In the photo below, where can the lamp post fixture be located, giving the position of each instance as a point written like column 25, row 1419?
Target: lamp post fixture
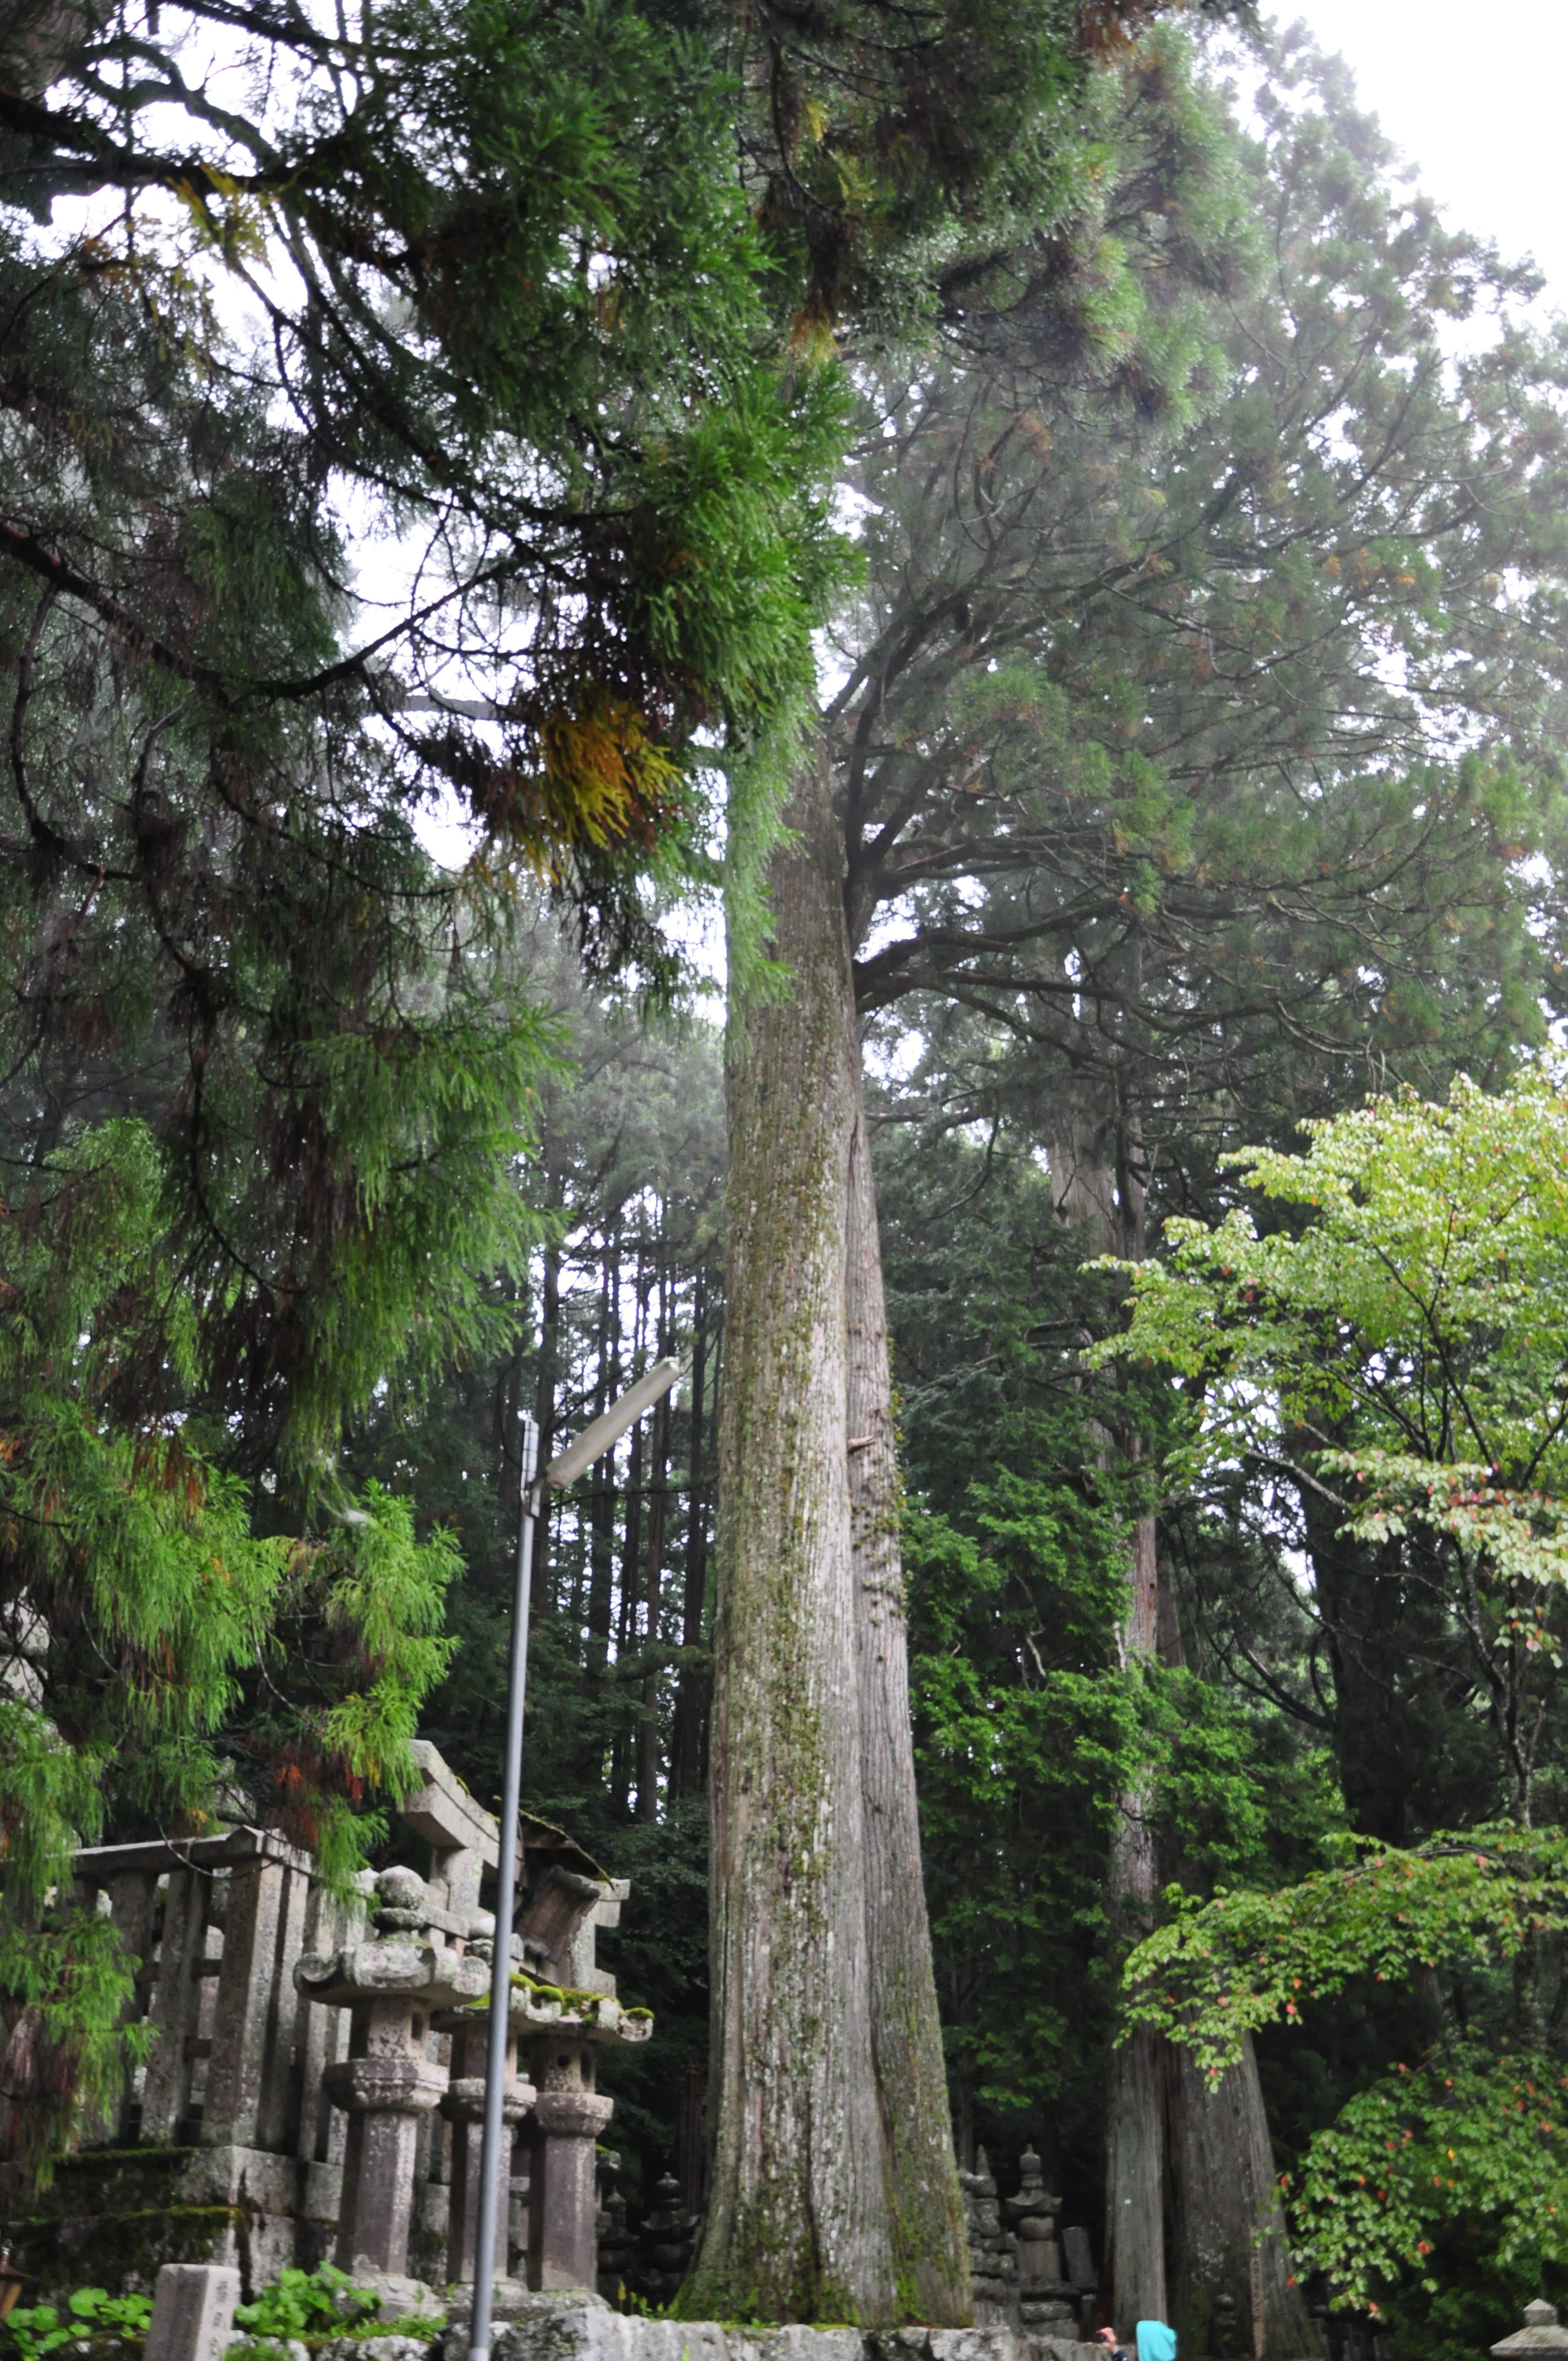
column 591, row 1444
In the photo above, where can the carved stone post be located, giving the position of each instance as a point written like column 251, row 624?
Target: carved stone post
column 568, row 2116
column 465, row 2106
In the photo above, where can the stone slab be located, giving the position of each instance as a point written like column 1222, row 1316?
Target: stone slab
column 323, row 2192
column 1080, row 2261
column 444, row 1813
column 580, row 2326
column 231, row 2175
column 192, row 2313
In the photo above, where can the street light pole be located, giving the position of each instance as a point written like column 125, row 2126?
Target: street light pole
column 591, row 1444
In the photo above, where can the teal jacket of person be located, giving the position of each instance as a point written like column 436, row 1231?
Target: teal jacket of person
column 1156, row 2341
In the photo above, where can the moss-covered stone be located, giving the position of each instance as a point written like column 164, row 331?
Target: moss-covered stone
column 123, row 2251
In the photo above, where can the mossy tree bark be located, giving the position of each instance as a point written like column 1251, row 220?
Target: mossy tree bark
column 798, row 2223
column 1228, row 2231
column 930, row 2251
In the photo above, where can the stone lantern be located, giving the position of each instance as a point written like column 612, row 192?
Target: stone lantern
column 1541, row 2339
column 569, row 2014
column 389, row 1984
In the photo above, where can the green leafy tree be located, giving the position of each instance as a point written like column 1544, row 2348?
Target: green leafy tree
column 1403, row 1347
column 1395, row 1344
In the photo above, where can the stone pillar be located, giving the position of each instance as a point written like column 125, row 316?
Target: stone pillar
column 388, row 2083
column 166, row 2095
column 132, row 1897
column 568, row 2116
column 384, row 2086
column 282, row 2088
column 193, row 2312
column 465, row 2106
column 236, row 2071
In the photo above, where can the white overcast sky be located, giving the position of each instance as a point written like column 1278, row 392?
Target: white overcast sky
column 1475, row 92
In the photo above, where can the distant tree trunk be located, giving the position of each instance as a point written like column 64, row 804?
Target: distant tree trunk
column 658, row 1496
column 1226, row 2223
column 545, row 1406
column 621, row 1746
column 930, row 2248
column 1098, row 1194
column 685, row 1744
column 797, row 2217
column 1165, row 2130
column 601, row 1514
column 1135, row 2158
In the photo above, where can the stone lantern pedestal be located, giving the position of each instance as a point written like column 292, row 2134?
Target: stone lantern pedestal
column 568, row 2116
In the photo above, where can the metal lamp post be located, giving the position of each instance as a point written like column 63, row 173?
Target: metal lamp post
column 591, row 1444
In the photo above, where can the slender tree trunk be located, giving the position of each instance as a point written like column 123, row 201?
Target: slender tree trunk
column 601, row 1516
column 658, row 1496
column 1097, row 1194
column 1227, row 2223
column 685, row 1744
column 1166, row 2132
column 930, row 2248
column 544, row 1407
column 797, row 2219
column 1135, row 2157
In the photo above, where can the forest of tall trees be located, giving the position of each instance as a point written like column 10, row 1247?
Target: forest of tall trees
column 983, row 593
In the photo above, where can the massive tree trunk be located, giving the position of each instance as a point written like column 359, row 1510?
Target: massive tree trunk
column 797, row 2218
column 930, row 2253
column 1228, row 2225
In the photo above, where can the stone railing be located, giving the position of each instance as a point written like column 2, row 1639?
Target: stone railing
column 313, row 2078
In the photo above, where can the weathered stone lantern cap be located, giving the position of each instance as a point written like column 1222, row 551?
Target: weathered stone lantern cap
column 392, row 1968
column 586, row 2016
column 1540, row 2333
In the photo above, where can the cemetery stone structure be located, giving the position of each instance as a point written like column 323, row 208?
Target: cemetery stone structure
column 314, row 2080
column 1022, row 2278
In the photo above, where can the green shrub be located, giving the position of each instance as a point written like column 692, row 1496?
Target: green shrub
column 36, row 2329
column 304, row 2303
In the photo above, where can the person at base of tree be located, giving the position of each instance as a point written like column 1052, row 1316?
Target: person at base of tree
column 1156, row 2341
column 1115, row 2348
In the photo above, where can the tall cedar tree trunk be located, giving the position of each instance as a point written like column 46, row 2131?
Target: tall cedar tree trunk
column 1135, row 2157
column 797, row 2219
column 601, row 1523
column 1088, row 1159
column 930, row 2251
column 1229, row 2234
column 1163, row 2124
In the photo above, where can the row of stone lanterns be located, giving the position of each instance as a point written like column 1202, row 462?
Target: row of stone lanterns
column 419, row 1972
